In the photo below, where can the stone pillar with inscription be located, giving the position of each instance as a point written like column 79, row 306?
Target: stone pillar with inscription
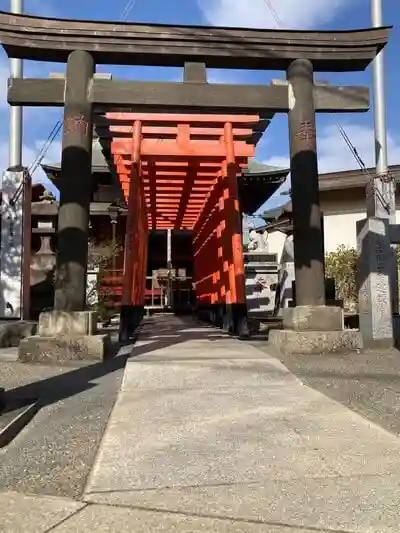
column 75, row 185
column 307, row 230
column 69, row 332
column 374, row 287
column 310, row 326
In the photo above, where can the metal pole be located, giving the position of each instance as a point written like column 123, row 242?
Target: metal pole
column 16, row 71
column 381, row 156
column 168, row 296
column 114, row 244
column 169, row 248
column 385, row 197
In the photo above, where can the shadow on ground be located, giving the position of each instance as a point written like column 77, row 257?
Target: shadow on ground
column 156, row 332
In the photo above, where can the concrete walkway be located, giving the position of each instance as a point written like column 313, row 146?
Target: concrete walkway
column 210, row 434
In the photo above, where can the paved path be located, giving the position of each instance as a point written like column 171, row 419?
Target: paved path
column 211, row 434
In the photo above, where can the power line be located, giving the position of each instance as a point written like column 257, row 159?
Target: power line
column 341, row 129
column 57, row 128
column 52, row 135
column 274, row 12
column 127, row 10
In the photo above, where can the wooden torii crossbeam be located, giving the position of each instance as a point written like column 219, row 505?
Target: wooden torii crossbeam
column 182, row 174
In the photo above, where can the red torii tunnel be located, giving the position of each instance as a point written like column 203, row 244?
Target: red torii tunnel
column 182, row 173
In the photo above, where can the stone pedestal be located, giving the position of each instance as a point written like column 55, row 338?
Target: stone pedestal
column 315, row 342
column 63, row 323
column 313, row 318
column 65, row 337
column 261, row 271
column 373, row 272
column 314, row 330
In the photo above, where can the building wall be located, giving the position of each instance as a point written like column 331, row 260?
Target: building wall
column 342, row 209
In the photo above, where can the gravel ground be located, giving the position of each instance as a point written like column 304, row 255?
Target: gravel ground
column 368, row 383
column 54, row 454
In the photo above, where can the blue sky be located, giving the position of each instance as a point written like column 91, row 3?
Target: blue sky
column 273, row 149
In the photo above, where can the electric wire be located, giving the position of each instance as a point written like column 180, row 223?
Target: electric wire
column 28, row 173
column 340, row 127
column 57, row 128
column 274, row 12
column 127, row 10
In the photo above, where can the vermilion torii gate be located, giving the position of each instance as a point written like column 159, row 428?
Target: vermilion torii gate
column 84, row 44
column 182, row 174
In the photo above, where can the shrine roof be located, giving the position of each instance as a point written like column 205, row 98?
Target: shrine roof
column 255, row 168
column 50, row 39
column 349, row 179
column 258, row 183
column 99, row 163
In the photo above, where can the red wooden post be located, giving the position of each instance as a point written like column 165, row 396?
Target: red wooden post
column 235, row 224
column 128, row 318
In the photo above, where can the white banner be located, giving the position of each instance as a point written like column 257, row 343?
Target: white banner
column 12, row 266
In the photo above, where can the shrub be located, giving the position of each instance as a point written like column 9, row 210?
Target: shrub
column 341, row 265
column 100, row 296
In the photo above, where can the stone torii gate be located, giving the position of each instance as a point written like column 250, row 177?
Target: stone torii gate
column 82, row 45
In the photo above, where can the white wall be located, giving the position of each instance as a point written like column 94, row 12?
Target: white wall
column 276, row 240
column 340, row 218
column 339, row 229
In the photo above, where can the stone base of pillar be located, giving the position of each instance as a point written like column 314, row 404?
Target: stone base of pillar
column 130, row 318
column 312, row 330
column 313, row 318
column 315, row 342
column 65, row 337
column 50, row 350
column 53, row 323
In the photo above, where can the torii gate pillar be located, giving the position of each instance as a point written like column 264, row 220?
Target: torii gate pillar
column 307, row 238
column 75, row 185
column 310, row 320
column 68, row 332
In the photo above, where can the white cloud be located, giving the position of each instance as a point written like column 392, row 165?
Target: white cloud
column 334, row 155
column 296, row 14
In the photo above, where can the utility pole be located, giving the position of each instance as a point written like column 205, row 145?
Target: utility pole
column 384, row 204
column 16, row 71
column 384, row 187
